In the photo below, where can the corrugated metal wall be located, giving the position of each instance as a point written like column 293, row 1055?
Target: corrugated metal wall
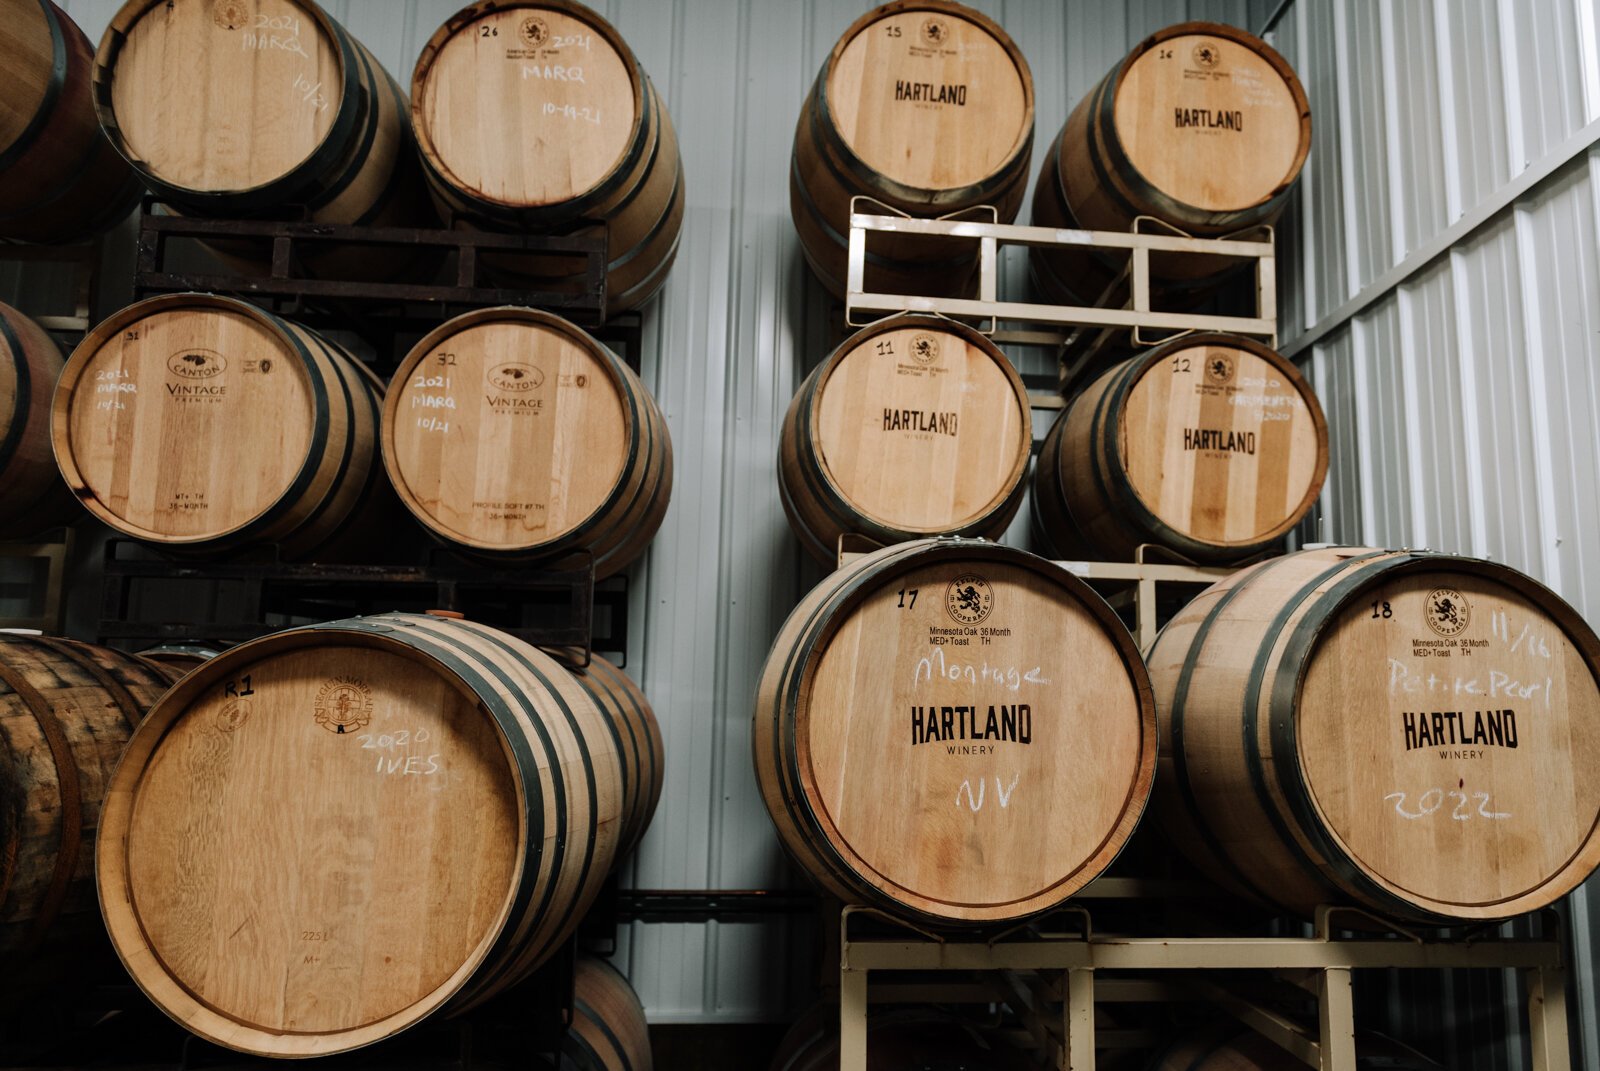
column 1443, row 300
column 1442, row 288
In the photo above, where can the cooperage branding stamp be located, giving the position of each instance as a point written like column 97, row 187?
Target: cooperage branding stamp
column 344, row 705
column 969, row 599
column 924, row 349
column 1448, row 611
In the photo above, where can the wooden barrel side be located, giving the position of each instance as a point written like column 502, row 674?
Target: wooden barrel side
column 228, row 377
column 1325, row 792
column 637, row 736
column 342, row 152
column 891, row 98
column 356, row 720
column 608, row 1031
column 992, row 623
column 66, row 710
column 31, row 492
column 1124, row 154
column 597, row 472
column 914, row 426
column 561, row 155
column 641, row 227
column 60, row 178
column 1213, row 446
column 1170, row 133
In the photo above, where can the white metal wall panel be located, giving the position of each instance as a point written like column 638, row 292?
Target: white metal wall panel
column 1462, row 401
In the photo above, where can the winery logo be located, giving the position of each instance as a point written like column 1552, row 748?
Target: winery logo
column 535, row 31
column 968, row 599
column 925, row 349
column 233, row 714
column 1448, row 611
column 1207, row 55
column 343, row 705
column 230, row 15
column 935, row 31
column 515, row 378
column 197, row 364
column 1219, row 369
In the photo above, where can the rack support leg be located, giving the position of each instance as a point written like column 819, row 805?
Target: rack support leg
column 1336, row 1018
column 1547, row 1018
column 852, row 1020
column 1078, row 1052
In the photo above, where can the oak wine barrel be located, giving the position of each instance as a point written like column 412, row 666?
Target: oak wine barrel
column 927, row 107
column 32, row 496
column 608, row 1031
column 203, row 423
column 898, row 1039
column 535, row 116
column 954, row 731
column 593, row 471
column 1213, row 446
column 915, row 426
column 66, row 710
column 260, row 108
column 1202, row 126
column 181, row 657
column 1230, row 1048
column 1410, row 732
column 637, row 736
column 422, row 806
column 60, row 178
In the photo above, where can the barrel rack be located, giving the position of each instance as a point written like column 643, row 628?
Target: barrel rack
column 1080, row 334
column 1046, row 971
column 1050, row 979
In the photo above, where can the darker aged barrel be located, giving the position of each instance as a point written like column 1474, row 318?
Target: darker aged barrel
column 954, row 731
column 925, row 106
column 66, row 710
column 1202, row 126
column 608, row 1031
column 203, row 423
column 1213, row 446
column 60, row 178
column 915, row 426
column 1413, row 733
column 268, row 109
column 637, row 736
column 564, row 134
column 32, row 496
column 426, row 804
column 594, row 458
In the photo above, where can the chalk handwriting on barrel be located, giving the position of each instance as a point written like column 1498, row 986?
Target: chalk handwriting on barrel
column 934, row 667
column 975, row 802
column 1433, row 799
column 1500, row 625
column 1500, row 684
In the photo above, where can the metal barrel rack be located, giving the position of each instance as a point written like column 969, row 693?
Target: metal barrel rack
column 1052, row 972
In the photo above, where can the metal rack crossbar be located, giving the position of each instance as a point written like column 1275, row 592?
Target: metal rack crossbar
column 990, row 236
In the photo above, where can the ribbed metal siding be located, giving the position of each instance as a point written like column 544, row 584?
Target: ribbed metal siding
column 1462, row 402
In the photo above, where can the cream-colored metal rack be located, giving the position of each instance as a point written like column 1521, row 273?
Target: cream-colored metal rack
column 1079, row 333
column 1054, row 977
